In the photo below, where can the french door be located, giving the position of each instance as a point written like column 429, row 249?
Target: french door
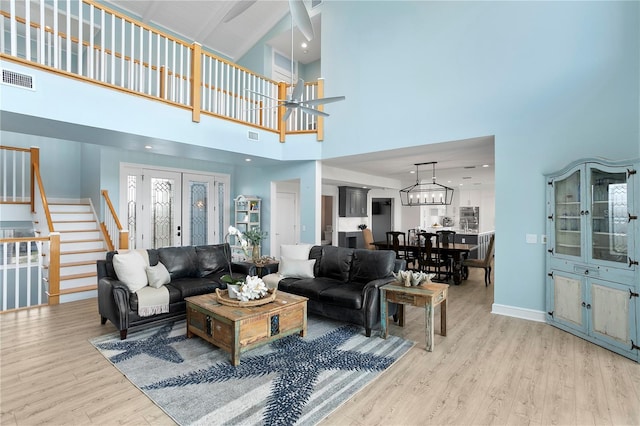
column 167, row 208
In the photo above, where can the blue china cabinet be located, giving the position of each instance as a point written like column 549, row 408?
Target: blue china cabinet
column 593, row 277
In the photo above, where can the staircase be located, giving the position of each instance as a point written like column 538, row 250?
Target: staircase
column 81, row 244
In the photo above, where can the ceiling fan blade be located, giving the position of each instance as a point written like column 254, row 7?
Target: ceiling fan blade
column 301, row 18
column 286, row 115
column 313, row 111
column 297, row 91
column 323, row 100
column 237, row 9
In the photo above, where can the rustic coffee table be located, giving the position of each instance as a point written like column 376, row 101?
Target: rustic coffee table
column 237, row 329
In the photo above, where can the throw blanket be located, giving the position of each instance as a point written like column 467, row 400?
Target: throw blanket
column 152, row 301
column 272, row 280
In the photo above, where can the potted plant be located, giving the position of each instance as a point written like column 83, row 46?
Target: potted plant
column 254, row 237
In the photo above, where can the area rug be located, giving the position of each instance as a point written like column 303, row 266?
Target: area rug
column 293, row 380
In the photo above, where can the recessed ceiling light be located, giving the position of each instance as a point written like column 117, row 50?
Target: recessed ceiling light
column 148, row 147
column 485, row 165
column 304, row 45
column 412, row 171
column 460, row 184
column 247, row 159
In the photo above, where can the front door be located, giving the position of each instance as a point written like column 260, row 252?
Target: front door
column 166, row 208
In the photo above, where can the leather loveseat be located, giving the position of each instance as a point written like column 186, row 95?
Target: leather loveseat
column 346, row 283
column 193, row 270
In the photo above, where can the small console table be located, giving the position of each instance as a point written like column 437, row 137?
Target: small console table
column 428, row 295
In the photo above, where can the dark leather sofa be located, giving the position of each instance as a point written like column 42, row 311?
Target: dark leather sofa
column 194, row 270
column 346, row 283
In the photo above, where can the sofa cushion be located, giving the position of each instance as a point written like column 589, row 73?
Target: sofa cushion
column 295, row 268
column 158, row 275
column 130, row 269
column 316, row 253
column 369, row 265
column 212, row 259
column 193, row 286
column 307, row 287
column 295, row 251
column 335, row 263
column 347, row 295
column 180, row 261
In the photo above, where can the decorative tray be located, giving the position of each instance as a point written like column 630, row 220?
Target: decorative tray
column 224, row 299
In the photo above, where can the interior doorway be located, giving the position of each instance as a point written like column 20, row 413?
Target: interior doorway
column 326, row 220
column 380, row 218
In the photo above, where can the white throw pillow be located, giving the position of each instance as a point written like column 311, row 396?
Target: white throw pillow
column 130, row 268
column 158, row 275
column 296, row 268
column 295, row 251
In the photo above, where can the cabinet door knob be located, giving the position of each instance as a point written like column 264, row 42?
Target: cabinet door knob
column 584, row 304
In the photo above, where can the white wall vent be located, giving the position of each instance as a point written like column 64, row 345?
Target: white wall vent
column 17, row 79
column 253, row 136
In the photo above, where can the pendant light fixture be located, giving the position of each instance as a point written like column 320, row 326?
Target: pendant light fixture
column 426, row 194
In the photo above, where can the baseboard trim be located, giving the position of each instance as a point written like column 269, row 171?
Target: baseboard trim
column 513, row 311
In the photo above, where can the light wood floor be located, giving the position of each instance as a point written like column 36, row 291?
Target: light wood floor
column 489, row 369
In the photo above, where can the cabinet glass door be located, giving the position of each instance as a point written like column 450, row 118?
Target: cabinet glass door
column 609, row 220
column 568, row 226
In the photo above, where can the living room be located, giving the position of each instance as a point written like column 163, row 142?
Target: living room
column 553, row 82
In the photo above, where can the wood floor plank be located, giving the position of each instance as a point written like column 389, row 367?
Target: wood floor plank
column 489, row 369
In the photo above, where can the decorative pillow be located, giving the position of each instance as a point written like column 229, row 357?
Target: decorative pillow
column 158, row 275
column 296, row 268
column 295, row 251
column 130, row 269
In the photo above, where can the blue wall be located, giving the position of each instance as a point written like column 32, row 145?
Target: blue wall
column 553, row 81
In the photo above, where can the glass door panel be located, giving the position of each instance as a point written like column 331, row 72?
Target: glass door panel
column 609, row 218
column 568, row 224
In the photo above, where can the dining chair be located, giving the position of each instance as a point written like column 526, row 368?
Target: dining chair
column 483, row 263
column 429, row 255
column 397, row 241
column 447, row 237
column 367, row 236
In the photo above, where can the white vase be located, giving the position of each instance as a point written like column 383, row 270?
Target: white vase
column 234, row 289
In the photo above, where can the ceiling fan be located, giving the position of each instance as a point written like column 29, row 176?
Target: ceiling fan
column 300, row 17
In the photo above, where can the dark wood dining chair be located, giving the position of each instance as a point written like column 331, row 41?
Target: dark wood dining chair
column 483, row 263
column 447, row 237
column 429, row 255
column 397, row 241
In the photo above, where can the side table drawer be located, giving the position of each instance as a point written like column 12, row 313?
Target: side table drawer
column 406, row 299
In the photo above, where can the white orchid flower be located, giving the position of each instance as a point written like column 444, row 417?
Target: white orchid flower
column 253, row 288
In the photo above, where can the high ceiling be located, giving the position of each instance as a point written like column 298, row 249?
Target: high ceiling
column 459, row 162
column 202, row 21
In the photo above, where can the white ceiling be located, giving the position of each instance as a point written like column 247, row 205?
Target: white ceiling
column 201, row 21
column 458, row 162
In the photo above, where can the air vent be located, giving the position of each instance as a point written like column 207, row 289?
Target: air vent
column 466, row 177
column 469, row 167
column 16, row 79
column 315, row 3
column 253, row 136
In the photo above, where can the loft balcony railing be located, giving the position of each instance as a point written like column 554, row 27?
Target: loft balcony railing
column 91, row 42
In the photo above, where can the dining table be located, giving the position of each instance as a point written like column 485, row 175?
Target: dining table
column 456, row 251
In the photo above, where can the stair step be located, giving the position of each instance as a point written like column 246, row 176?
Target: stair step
column 66, row 246
column 77, row 276
column 67, row 207
column 85, row 225
column 80, row 235
column 82, row 256
column 82, row 251
column 79, row 263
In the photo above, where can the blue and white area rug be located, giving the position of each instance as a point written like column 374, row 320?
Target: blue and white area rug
column 293, row 380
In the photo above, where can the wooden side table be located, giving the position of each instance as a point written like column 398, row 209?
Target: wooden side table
column 428, row 295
